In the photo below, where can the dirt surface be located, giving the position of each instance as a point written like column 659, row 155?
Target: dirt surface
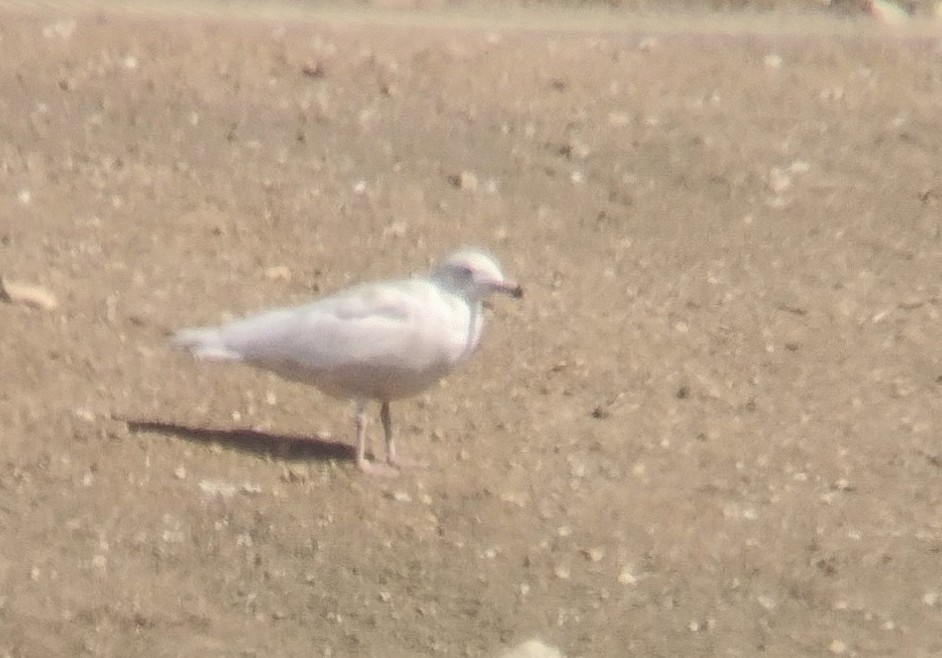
column 711, row 428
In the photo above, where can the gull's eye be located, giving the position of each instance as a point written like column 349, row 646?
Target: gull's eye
column 465, row 272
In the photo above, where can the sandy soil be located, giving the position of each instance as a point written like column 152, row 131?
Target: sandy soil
column 712, row 427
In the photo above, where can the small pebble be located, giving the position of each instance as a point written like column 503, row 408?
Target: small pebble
column 62, row 29
column 278, row 273
column 779, row 180
column 594, row 554
column 216, row 488
column 85, row 414
column 401, row 497
column 618, row 119
column 467, row 181
column 648, row 44
column 532, row 649
column 27, row 295
column 766, row 602
column 295, row 473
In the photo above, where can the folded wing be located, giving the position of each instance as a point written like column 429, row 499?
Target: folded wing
column 384, row 334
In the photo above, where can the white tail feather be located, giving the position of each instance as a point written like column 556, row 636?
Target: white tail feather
column 203, row 343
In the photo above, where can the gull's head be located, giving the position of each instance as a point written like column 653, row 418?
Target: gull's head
column 475, row 275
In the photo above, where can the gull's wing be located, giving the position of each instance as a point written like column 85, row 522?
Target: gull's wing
column 386, row 326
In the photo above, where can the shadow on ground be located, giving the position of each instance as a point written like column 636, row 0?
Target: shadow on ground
column 281, row 446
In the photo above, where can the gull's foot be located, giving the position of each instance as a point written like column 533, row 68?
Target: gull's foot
column 405, row 462
column 377, row 468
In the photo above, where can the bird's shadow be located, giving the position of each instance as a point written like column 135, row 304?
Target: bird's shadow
column 281, row 446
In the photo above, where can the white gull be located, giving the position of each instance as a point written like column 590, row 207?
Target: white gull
column 379, row 341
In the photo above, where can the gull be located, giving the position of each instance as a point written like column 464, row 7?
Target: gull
column 380, row 341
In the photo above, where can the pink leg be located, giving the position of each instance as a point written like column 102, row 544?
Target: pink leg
column 364, row 464
column 392, row 457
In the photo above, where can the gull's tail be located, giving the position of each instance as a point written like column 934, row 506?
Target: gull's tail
column 204, row 343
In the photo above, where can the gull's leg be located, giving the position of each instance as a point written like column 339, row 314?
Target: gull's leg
column 361, row 434
column 391, row 456
column 364, row 464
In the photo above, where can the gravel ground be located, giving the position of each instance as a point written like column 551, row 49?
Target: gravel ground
column 710, row 429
